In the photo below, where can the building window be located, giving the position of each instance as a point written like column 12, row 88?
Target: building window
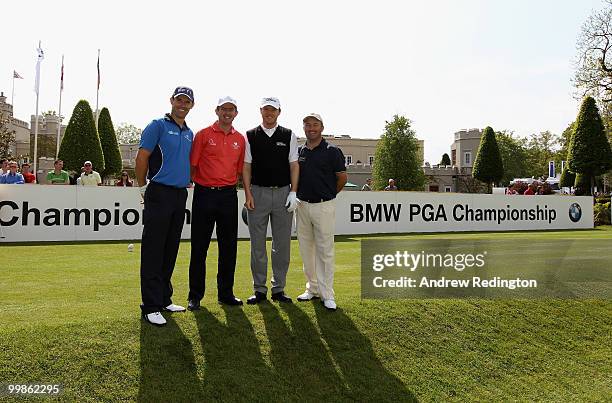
column 454, row 157
column 447, row 189
column 467, row 159
column 348, row 159
column 370, row 160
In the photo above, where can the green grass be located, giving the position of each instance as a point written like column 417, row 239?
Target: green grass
column 70, row 315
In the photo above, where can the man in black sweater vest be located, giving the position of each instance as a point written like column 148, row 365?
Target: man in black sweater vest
column 270, row 176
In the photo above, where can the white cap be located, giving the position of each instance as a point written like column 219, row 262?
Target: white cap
column 227, row 100
column 87, row 163
column 313, row 115
column 270, row 101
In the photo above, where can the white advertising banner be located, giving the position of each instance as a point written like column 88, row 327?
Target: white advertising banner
column 34, row 213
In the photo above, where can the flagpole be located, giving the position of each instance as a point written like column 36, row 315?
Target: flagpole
column 98, row 89
column 13, row 94
column 40, row 57
column 59, row 113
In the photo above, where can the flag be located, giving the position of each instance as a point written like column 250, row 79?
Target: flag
column 41, row 56
column 16, row 75
column 98, row 69
column 62, row 76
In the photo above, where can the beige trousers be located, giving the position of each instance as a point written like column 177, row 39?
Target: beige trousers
column 315, row 233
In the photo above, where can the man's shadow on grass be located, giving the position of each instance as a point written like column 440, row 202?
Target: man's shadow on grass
column 367, row 379
column 167, row 367
column 300, row 360
column 235, row 368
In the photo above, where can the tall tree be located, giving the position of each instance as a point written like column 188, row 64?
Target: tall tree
column 7, row 137
column 110, row 149
column 568, row 178
column 81, row 141
column 397, row 156
column 513, row 155
column 541, row 149
column 589, row 150
column 488, row 165
column 128, row 133
column 593, row 74
column 445, row 159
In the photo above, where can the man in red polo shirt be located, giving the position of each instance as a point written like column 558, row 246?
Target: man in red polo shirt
column 217, row 157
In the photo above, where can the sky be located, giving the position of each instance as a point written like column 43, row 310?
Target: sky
column 446, row 65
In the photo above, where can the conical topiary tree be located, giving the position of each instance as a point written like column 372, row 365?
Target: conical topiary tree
column 568, row 178
column 488, row 166
column 110, row 149
column 589, row 152
column 445, row 159
column 81, row 141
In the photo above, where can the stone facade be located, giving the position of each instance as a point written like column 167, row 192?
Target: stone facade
column 20, row 148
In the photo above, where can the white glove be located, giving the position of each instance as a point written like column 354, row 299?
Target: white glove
column 143, row 189
column 291, row 203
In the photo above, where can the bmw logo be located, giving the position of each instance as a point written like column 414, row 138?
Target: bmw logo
column 575, row 212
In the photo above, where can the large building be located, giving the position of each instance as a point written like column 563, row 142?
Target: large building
column 456, row 177
column 21, row 147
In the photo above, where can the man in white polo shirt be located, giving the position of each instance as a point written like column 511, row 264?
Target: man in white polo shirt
column 90, row 177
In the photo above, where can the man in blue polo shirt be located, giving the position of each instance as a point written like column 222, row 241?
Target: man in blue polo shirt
column 322, row 177
column 163, row 173
column 12, row 177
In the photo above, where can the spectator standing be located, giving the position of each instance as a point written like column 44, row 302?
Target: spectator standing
column 90, row 177
column 368, row 185
column 28, row 176
column 124, row 180
column 12, row 177
column 391, row 185
column 58, row 176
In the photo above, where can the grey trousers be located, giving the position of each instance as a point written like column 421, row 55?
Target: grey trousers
column 270, row 206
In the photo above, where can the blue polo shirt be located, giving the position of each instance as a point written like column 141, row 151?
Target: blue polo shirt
column 318, row 168
column 10, row 179
column 170, row 146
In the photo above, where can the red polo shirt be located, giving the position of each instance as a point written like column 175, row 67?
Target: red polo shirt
column 216, row 157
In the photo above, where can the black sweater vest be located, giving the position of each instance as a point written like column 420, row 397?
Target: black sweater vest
column 270, row 157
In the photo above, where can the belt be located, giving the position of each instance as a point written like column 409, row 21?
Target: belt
column 272, row 187
column 312, row 201
column 218, row 187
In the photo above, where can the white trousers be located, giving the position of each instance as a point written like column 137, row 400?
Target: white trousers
column 315, row 233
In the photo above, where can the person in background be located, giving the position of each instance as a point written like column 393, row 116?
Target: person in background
column 58, row 176
column 90, row 177
column 368, row 185
column 3, row 166
column 12, row 177
column 125, row 180
column 28, row 176
column 391, row 185
column 529, row 191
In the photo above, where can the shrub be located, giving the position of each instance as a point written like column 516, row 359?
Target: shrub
column 601, row 214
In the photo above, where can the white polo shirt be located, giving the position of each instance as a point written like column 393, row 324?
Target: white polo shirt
column 93, row 179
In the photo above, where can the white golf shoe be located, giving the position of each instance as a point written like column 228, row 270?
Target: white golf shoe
column 330, row 304
column 307, row 296
column 174, row 308
column 155, row 318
